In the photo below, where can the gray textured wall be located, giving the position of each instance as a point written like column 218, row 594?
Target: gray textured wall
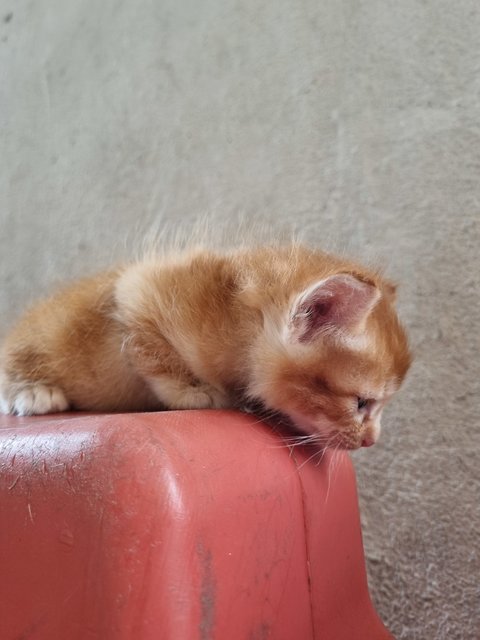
column 357, row 120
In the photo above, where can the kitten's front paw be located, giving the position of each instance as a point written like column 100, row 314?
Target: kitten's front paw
column 204, row 397
column 35, row 399
column 176, row 394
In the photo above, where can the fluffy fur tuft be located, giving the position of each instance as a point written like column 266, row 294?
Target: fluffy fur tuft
column 300, row 332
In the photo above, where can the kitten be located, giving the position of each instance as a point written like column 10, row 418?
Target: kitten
column 302, row 333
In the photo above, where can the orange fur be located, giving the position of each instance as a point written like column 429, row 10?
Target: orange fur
column 302, row 332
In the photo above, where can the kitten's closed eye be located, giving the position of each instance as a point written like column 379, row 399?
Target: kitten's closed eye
column 364, row 403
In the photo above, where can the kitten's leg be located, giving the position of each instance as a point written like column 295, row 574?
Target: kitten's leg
column 25, row 388
column 26, row 399
column 169, row 378
column 181, row 394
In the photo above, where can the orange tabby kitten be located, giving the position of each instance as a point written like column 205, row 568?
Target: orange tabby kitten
column 302, row 333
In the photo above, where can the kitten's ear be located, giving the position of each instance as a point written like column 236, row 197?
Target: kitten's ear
column 341, row 301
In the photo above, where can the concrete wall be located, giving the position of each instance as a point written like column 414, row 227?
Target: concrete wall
column 360, row 122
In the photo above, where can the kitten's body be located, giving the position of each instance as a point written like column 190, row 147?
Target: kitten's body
column 302, row 332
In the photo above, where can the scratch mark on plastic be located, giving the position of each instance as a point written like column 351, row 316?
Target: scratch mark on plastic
column 262, row 632
column 208, row 593
column 14, row 483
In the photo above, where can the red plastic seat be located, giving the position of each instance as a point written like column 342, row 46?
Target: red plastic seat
column 176, row 526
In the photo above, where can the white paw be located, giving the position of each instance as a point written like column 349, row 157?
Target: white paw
column 38, row 399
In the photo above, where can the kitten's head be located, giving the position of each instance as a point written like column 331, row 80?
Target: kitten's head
column 333, row 358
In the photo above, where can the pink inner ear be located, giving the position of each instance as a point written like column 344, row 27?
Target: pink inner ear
column 341, row 301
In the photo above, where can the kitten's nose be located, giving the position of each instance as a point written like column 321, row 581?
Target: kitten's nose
column 368, row 441
column 371, row 433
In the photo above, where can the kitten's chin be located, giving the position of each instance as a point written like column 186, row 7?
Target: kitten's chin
column 326, row 434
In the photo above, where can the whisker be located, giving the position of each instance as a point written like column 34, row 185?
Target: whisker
column 331, row 469
column 298, row 441
column 329, row 443
column 308, row 459
column 306, row 436
column 303, row 439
